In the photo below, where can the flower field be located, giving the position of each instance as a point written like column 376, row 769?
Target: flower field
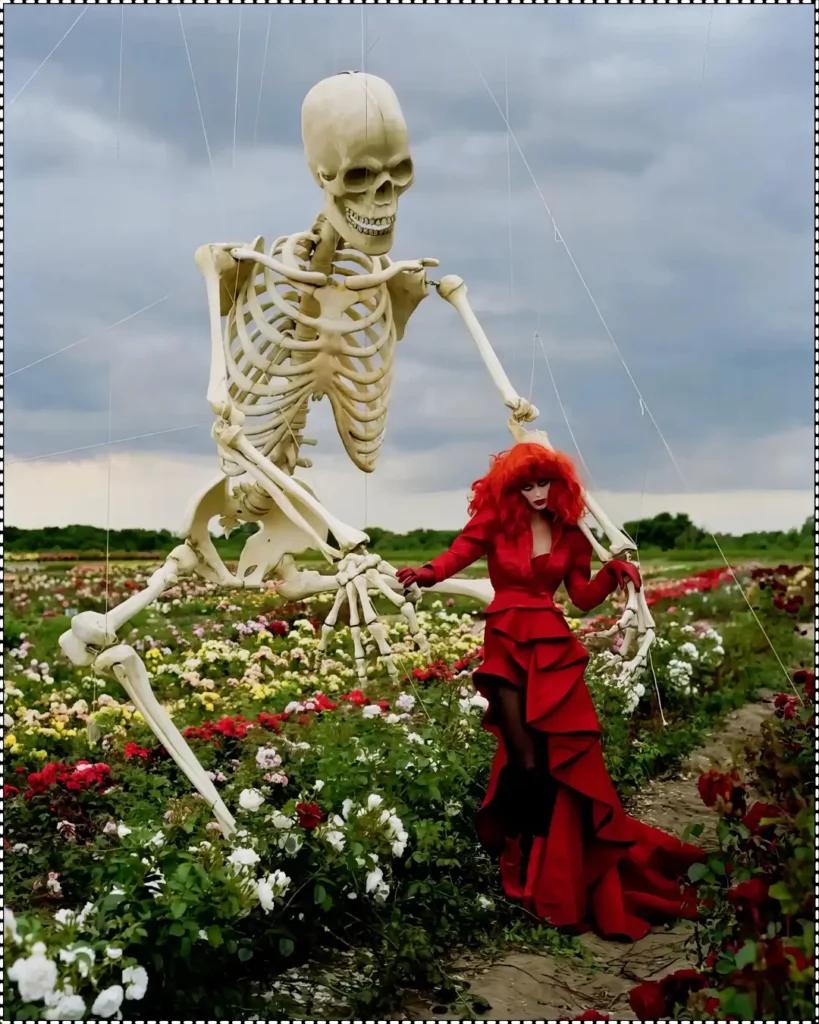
column 355, row 872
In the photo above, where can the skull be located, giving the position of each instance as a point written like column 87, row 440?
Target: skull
column 355, row 140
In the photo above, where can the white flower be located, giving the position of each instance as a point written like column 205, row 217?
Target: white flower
column 405, row 701
column 318, row 785
column 268, row 757
column 413, row 737
column 108, row 1002
column 335, row 839
column 371, row 711
column 373, row 879
column 157, row 840
column 113, row 953
column 53, row 884
column 690, row 650
column 123, row 830
column 67, row 1007
column 373, row 801
column 136, row 978
column 279, row 882
column 346, row 807
column 10, row 924
column 243, row 858
column 279, row 820
column 264, row 893
column 290, row 844
column 20, row 848
column 35, row 975
column 394, row 719
column 251, row 799
column 484, row 903
column 398, row 847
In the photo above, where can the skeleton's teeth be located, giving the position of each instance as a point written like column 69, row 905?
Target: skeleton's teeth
column 369, row 225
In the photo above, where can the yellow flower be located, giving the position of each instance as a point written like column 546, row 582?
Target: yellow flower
column 10, row 740
column 17, row 748
column 208, row 706
column 154, row 653
column 138, row 716
column 41, row 755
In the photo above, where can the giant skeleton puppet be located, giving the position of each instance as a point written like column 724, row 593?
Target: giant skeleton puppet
column 320, row 316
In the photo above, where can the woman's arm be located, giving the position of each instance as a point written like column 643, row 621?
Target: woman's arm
column 587, row 593
column 472, row 543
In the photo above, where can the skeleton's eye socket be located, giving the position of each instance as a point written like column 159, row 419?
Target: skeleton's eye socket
column 358, row 178
column 402, row 172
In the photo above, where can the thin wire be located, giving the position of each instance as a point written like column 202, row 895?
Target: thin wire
column 102, row 444
column 532, row 374
column 110, row 365
column 563, row 409
column 39, row 68
column 707, row 38
column 94, row 334
column 261, row 81
column 236, row 94
column 195, row 90
column 643, row 403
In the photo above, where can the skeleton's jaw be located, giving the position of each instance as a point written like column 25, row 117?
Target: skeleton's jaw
column 370, row 232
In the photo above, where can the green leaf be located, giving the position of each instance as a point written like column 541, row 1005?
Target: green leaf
column 245, row 954
column 697, row 872
column 178, row 908
column 746, row 955
column 716, row 866
column 177, row 928
column 725, row 965
column 319, row 894
column 214, row 934
column 780, row 891
column 286, row 947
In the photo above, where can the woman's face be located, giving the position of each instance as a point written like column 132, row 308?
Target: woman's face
column 536, row 492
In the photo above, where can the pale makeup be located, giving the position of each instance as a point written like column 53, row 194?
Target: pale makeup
column 536, row 493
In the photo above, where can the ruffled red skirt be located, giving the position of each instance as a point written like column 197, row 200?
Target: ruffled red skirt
column 596, row 867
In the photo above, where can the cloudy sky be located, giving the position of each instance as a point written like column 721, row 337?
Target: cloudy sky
column 673, row 146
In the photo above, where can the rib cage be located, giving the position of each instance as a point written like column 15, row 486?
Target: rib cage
column 277, row 357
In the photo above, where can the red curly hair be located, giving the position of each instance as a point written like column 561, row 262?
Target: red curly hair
column 528, row 462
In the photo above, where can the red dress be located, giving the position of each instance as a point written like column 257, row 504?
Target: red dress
column 595, row 866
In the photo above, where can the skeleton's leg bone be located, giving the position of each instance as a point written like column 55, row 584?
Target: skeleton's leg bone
column 91, row 632
column 130, row 671
column 329, row 624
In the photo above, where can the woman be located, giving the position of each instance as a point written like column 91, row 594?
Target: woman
column 551, row 813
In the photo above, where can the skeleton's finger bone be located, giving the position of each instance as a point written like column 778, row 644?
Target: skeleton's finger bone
column 329, row 624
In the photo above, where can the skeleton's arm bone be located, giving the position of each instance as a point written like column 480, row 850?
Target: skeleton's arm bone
column 453, row 289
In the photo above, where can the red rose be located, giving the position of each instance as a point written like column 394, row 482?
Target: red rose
column 759, row 811
column 723, row 791
column 786, row 706
column 648, row 1000
column 804, row 677
column 355, row 697
column 278, row 628
column 9, row 791
column 134, row 750
column 751, row 893
column 309, row 815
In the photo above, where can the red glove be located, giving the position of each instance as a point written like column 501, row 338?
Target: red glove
column 423, row 577
column 624, row 572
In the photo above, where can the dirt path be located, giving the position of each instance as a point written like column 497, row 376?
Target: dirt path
column 531, row 986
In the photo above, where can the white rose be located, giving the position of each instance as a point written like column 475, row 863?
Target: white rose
column 264, row 892
column 373, row 879
column 68, row 1007
column 373, row 801
column 250, row 799
column 112, row 953
column 136, row 978
column 35, row 976
column 243, row 858
column 371, row 711
column 108, row 1002
column 335, row 839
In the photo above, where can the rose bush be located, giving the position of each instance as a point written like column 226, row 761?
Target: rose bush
column 354, row 801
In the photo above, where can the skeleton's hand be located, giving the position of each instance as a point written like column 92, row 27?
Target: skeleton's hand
column 357, row 575
column 635, row 624
column 522, row 410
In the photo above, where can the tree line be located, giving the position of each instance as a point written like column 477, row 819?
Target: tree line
column 664, row 532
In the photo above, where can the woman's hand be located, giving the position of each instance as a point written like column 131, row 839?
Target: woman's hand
column 624, row 573
column 423, row 577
